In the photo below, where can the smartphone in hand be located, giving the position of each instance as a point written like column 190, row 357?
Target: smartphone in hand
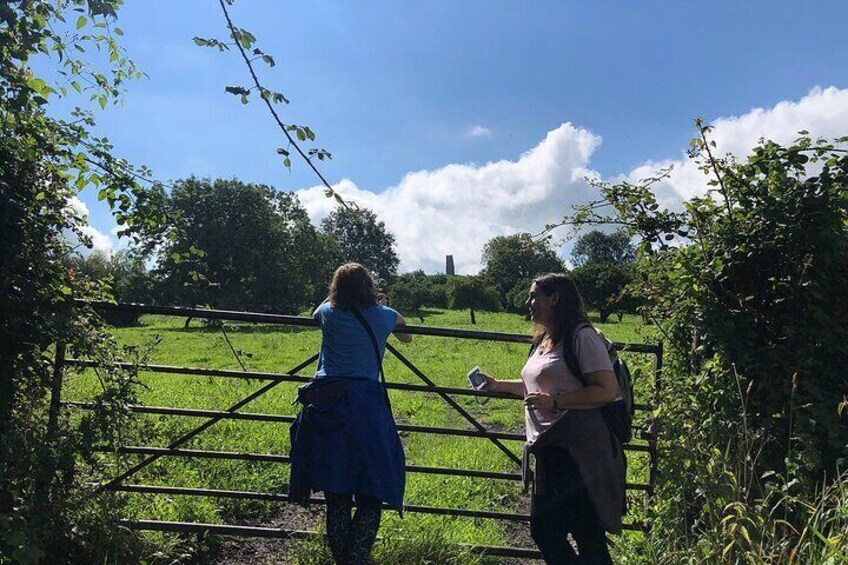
column 476, row 379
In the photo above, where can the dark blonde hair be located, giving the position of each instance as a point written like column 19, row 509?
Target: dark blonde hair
column 353, row 288
column 569, row 310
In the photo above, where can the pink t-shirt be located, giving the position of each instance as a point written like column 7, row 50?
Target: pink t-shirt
column 548, row 372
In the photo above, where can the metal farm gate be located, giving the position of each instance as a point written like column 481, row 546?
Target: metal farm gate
column 644, row 439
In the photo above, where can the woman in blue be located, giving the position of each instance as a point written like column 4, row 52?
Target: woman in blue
column 344, row 441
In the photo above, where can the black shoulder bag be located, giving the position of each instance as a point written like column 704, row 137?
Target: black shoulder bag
column 368, row 329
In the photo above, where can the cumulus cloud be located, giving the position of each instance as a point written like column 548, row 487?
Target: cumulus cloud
column 99, row 240
column 478, row 131
column 455, row 209
column 822, row 112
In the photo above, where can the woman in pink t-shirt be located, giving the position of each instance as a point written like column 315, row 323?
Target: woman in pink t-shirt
column 582, row 479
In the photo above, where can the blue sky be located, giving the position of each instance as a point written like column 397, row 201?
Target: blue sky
column 456, row 92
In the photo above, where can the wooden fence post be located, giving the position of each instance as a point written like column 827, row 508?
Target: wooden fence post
column 56, row 391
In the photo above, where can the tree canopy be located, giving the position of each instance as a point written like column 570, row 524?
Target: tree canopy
column 474, row 293
column 241, row 246
column 45, row 464
column 513, row 259
column 603, row 270
column 601, row 247
column 365, row 239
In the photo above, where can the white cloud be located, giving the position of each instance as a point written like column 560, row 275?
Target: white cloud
column 823, row 112
column 478, row 131
column 99, row 240
column 457, row 208
column 78, row 205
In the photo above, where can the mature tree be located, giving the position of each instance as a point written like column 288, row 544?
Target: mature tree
column 517, row 297
column 123, row 274
column 328, row 255
column 602, row 286
column 512, row 259
column 474, row 293
column 438, row 290
column 603, row 269
column 364, row 239
column 242, row 246
column 600, row 247
column 409, row 292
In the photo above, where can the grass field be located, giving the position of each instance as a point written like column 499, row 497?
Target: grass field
column 278, row 349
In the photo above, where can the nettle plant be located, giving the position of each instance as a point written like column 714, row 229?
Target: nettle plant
column 747, row 285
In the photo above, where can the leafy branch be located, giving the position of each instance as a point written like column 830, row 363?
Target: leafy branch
column 243, row 41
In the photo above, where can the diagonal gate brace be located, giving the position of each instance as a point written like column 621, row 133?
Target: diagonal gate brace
column 453, row 403
column 207, row 424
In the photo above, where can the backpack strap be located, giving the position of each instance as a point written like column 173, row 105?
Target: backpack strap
column 570, row 355
column 371, row 335
column 569, row 347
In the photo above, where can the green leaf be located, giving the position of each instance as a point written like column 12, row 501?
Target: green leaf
column 81, row 21
column 38, row 85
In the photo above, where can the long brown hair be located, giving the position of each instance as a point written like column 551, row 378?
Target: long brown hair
column 568, row 311
column 353, row 288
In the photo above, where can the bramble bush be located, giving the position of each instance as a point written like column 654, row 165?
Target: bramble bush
column 746, row 284
column 48, row 511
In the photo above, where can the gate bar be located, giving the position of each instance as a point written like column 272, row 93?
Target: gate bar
column 256, row 417
column 274, row 458
column 280, row 497
column 185, row 437
column 265, row 532
column 452, row 403
column 283, row 319
column 248, row 375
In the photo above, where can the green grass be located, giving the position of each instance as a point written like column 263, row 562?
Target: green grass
column 278, row 349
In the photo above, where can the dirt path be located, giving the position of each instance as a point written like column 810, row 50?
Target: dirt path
column 263, row 551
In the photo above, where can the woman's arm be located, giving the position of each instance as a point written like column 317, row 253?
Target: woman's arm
column 514, row 388
column 405, row 338
column 601, row 389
